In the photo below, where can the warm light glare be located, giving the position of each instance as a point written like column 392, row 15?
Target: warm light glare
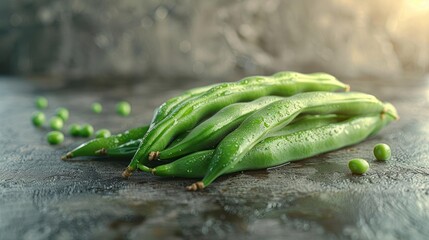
column 419, row 4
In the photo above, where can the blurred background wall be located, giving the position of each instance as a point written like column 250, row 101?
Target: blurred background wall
column 74, row 40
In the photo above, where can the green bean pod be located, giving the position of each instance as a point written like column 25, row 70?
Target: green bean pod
column 208, row 134
column 131, row 144
column 95, row 146
column 127, row 151
column 305, row 122
column 281, row 149
column 186, row 115
column 162, row 111
column 178, row 139
column 277, row 115
column 122, row 153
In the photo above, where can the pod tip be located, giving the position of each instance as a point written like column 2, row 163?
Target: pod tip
column 127, row 172
column 195, row 186
column 67, row 156
column 390, row 110
column 101, row 151
column 153, row 155
column 347, row 88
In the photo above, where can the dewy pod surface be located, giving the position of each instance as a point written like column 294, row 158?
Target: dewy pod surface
column 185, row 116
column 277, row 115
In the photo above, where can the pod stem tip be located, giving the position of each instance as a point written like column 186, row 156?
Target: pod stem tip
column 101, row 151
column 347, row 88
column 195, row 186
column 67, row 156
column 127, row 172
column 153, row 155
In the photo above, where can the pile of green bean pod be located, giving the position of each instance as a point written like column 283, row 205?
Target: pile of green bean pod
column 280, row 149
column 187, row 114
column 127, row 150
column 255, row 123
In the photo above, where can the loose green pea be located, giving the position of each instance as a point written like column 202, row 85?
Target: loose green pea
column 74, row 129
column 382, row 152
column 358, row 166
column 55, row 137
column 86, row 130
column 56, row 123
column 123, row 108
column 102, row 133
column 41, row 102
column 63, row 113
column 38, row 119
column 97, row 107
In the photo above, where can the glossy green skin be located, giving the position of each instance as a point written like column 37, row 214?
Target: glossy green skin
column 38, row 119
column 178, row 139
column 86, row 130
column 382, row 152
column 63, row 113
column 306, row 122
column 89, row 148
column 162, row 111
column 210, row 132
column 41, row 102
column 56, row 123
column 55, row 137
column 185, row 116
column 74, row 129
column 97, row 107
column 102, row 133
column 124, row 151
column 123, row 108
column 127, row 150
column 131, row 144
column 280, row 149
column 277, row 115
column 358, row 166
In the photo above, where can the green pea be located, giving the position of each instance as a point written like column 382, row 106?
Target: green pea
column 56, row 123
column 102, row 133
column 41, row 102
column 123, row 108
column 96, row 107
column 358, row 166
column 55, row 137
column 63, row 113
column 38, row 119
column 74, row 129
column 86, row 130
column 382, row 152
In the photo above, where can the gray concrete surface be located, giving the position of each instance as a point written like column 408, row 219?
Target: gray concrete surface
column 42, row 197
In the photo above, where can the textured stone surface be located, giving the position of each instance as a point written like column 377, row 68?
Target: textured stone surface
column 42, row 197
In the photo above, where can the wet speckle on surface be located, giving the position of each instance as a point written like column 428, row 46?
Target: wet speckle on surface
column 42, row 197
